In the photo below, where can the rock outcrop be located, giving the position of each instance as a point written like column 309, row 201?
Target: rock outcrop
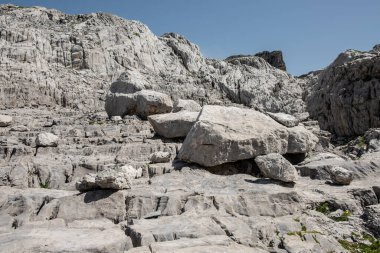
column 76, row 179
column 274, row 58
column 344, row 97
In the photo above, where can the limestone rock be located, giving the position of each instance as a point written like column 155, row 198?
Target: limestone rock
column 340, row 176
column 372, row 214
column 19, row 128
column 284, row 119
column 275, row 166
column 173, row 125
column 343, row 97
column 5, row 120
column 111, row 178
column 47, row 140
column 151, row 102
column 160, row 157
column 142, row 103
column 228, row 134
column 301, row 140
column 186, row 105
column 274, row 58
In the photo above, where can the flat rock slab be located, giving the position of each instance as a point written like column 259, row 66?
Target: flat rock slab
column 173, row 125
column 5, row 120
column 228, row 134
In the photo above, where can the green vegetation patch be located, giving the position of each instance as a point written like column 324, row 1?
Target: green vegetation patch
column 361, row 244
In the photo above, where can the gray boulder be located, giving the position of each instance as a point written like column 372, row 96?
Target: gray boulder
column 340, row 175
column 47, row 140
column 142, row 103
column 275, row 166
column 301, row 140
column 5, row 120
column 152, row 102
column 228, row 134
column 173, row 125
column 186, row 105
column 284, row 119
column 110, row 178
column 160, row 157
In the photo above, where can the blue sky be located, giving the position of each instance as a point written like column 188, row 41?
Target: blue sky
column 311, row 33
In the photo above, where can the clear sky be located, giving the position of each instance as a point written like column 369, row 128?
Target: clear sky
column 311, row 33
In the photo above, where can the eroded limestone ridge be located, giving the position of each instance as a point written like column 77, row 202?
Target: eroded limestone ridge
column 51, row 58
column 115, row 140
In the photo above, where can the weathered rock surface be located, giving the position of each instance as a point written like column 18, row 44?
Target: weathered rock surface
column 228, row 134
column 275, row 166
column 301, row 140
column 372, row 215
column 5, row 120
column 284, row 119
column 344, row 97
column 160, row 157
column 173, row 125
column 274, row 58
column 56, row 69
column 110, row 178
column 142, row 103
column 47, row 140
column 186, row 105
column 340, row 176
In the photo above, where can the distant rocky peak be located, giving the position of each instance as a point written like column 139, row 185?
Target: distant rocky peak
column 274, row 58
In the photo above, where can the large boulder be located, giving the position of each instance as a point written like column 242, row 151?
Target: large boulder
column 275, row 166
column 228, row 134
column 5, row 120
column 173, row 125
column 142, row 103
column 186, row 105
column 151, row 102
column 301, row 140
column 47, row 140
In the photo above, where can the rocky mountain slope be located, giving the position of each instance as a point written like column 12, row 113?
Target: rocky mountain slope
column 115, row 140
column 71, row 60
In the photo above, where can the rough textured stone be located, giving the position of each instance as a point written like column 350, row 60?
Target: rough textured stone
column 301, row 140
column 5, row 120
column 275, row 166
column 111, row 178
column 160, row 157
column 284, row 119
column 343, row 97
column 228, row 134
column 274, row 58
column 173, row 125
column 142, row 103
column 340, row 176
column 372, row 214
column 47, row 140
column 186, row 105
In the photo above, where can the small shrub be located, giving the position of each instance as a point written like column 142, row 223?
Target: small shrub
column 323, row 208
column 373, row 245
column 343, row 217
